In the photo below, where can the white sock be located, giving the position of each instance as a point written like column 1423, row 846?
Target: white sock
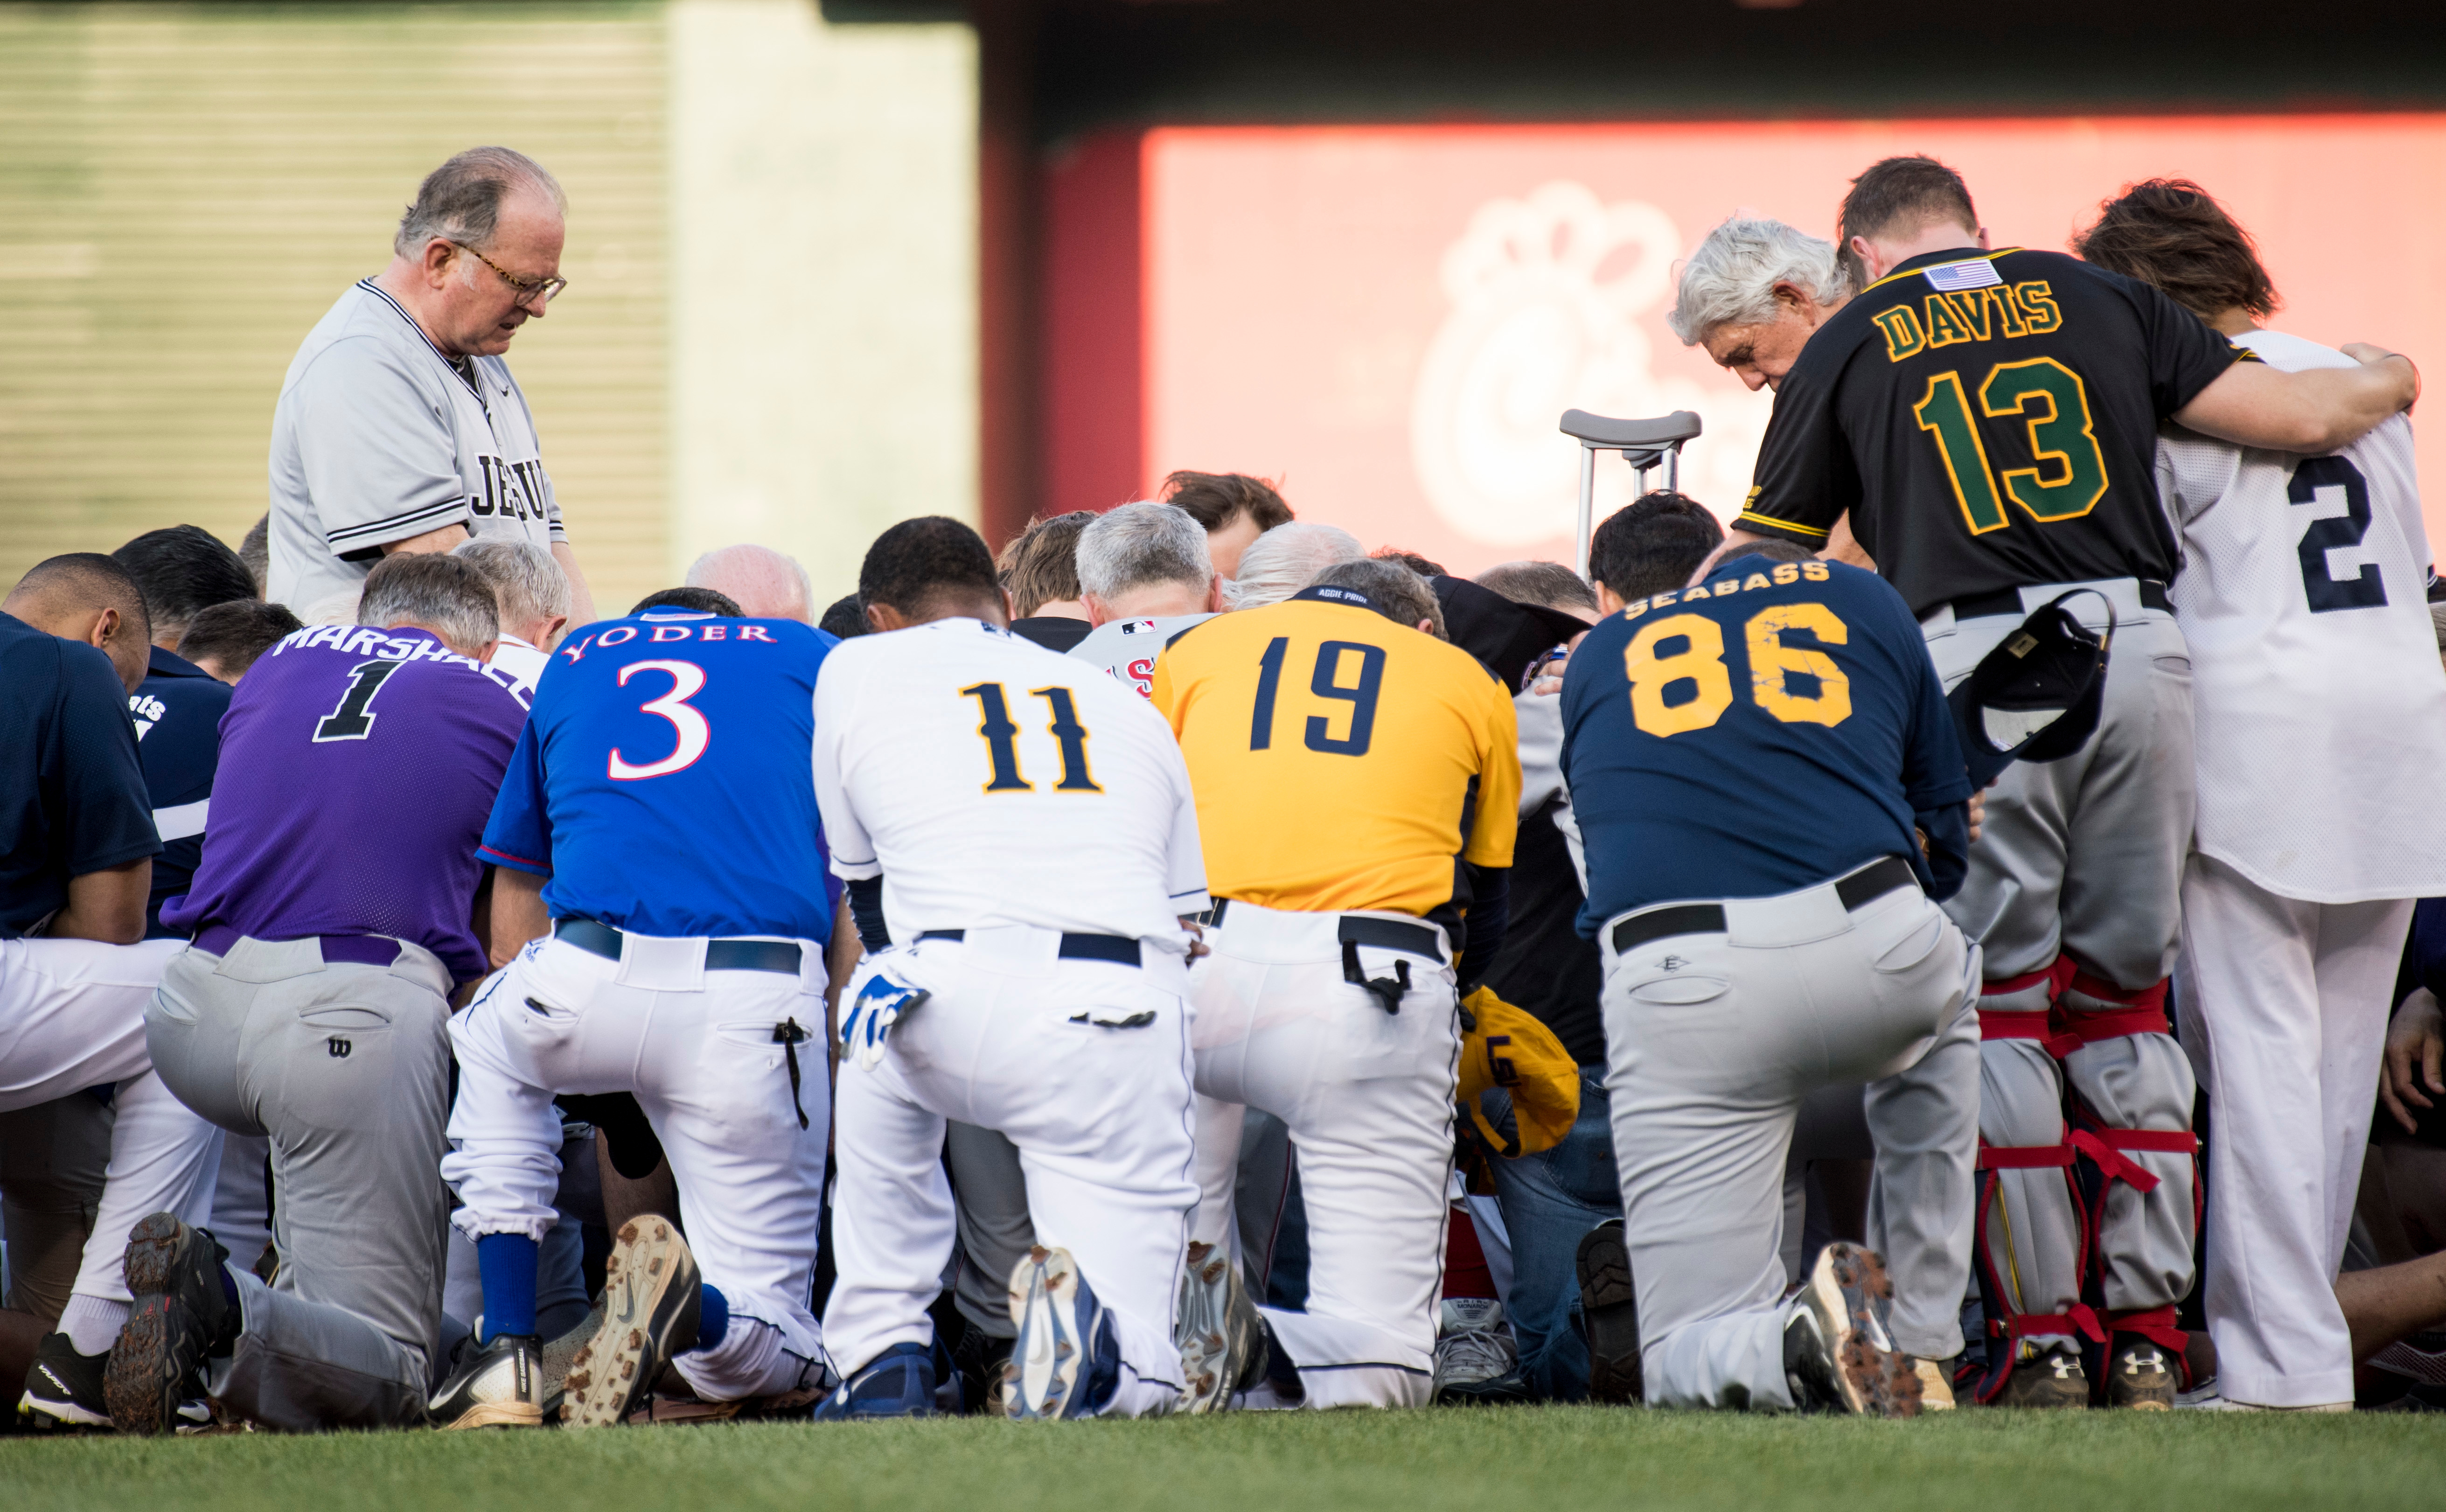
column 92, row 1323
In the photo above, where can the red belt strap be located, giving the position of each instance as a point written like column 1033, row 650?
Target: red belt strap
column 2088, row 1028
column 2077, row 1318
column 2102, row 1145
column 2156, row 1324
column 2106, row 991
column 2026, row 1157
column 2036, row 1024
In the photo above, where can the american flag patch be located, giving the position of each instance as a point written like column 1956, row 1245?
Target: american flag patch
column 1955, row 276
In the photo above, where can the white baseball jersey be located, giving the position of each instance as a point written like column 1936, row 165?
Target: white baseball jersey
column 991, row 782
column 1127, row 647
column 2319, row 700
column 378, row 437
column 520, row 663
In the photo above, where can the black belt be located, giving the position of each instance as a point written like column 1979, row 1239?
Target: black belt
column 1118, row 949
column 2008, row 602
column 598, row 939
column 1863, row 886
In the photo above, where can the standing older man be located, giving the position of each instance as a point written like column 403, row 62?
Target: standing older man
column 399, row 427
column 761, row 580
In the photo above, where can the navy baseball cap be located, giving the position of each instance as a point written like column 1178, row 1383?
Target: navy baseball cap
column 2035, row 696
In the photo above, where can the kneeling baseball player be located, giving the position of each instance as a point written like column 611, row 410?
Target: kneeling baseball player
column 656, row 841
column 1020, row 845
column 1753, row 762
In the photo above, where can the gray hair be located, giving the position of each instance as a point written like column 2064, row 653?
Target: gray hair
column 1393, row 591
column 1730, row 281
column 528, row 585
column 1286, row 559
column 1549, row 584
column 461, row 201
column 439, row 594
column 1143, row 545
column 764, row 584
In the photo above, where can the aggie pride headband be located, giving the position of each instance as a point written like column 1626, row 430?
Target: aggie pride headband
column 2035, row 696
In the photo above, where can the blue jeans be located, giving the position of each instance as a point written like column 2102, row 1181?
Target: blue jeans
column 1550, row 1200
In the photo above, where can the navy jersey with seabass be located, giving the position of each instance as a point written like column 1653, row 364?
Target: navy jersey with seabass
column 665, row 783
column 1988, row 420
column 1767, row 731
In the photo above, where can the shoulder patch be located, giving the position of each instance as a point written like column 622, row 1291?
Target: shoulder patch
column 1975, row 272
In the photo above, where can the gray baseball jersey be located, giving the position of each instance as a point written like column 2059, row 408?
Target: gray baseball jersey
column 1127, row 647
column 379, row 436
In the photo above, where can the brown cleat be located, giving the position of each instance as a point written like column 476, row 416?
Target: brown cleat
column 2053, row 1378
column 2139, row 1376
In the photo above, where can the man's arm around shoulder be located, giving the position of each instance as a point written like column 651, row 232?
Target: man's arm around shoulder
column 2312, row 411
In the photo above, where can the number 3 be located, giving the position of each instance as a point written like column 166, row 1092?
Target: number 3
column 687, row 680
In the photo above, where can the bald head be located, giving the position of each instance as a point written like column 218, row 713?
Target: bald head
column 759, row 579
column 87, row 596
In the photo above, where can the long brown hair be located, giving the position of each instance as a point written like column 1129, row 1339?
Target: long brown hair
column 2171, row 234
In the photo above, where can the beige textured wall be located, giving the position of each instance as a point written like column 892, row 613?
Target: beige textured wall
column 184, row 189
column 824, row 276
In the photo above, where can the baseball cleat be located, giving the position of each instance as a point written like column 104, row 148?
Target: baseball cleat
column 1848, row 1302
column 649, row 1314
column 1935, row 1383
column 2051, row 1378
column 1222, row 1339
column 499, row 1386
column 1609, row 1307
column 2139, row 1377
column 1477, row 1359
column 180, row 1317
column 897, row 1383
column 1067, row 1360
column 556, row 1354
column 63, row 1389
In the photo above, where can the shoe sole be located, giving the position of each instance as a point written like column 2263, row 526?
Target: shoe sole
column 649, row 1294
column 1482, row 1393
column 498, row 1415
column 1852, row 1296
column 1051, row 1347
column 553, row 1364
column 37, row 1415
column 1215, row 1341
column 1609, row 1307
column 1935, row 1392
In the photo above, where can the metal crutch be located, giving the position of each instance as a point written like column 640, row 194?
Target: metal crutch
column 1643, row 444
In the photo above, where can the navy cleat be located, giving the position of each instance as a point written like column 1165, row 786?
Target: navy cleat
column 1066, row 1361
column 897, row 1383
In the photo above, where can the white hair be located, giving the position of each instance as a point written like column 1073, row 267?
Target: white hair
column 1143, row 545
column 761, row 580
column 1286, row 559
column 336, row 608
column 526, row 580
column 1730, row 279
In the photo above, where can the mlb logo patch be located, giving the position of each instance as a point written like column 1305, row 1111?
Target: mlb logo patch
column 1953, row 278
column 1137, row 627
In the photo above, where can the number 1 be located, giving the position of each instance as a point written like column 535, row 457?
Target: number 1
column 354, row 718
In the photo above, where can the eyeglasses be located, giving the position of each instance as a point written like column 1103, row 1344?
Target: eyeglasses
column 536, row 291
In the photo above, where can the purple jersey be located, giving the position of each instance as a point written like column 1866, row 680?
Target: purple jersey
column 357, row 768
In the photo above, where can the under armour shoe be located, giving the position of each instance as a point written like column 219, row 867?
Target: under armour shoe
column 897, row 1383
column 498, row 1385
column 1609, row 1308
column 1067, row 1360
column 649, row 1314
column 64, row 1390
column 2139, row 1376
column 1222, row 1338
column 182, row 1316
column 1477, row 1359
column 2051, row 1378
column 1850, row 1303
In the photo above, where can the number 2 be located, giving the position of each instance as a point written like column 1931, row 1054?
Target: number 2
column 687, row 680
column 2365, row 588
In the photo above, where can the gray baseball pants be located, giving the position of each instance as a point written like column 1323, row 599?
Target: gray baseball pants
column 1713, row 1041
column 2074, row 897
column 345, row 1069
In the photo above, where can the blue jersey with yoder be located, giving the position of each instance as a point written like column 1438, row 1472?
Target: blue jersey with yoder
column 665, row 783
column 1771, row 728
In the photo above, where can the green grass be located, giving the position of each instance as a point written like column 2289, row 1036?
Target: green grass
column 1535, row 1459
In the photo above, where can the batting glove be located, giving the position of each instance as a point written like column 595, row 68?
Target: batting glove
column 878, row 1005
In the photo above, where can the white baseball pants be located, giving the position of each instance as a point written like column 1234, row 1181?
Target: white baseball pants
column 1368, row 1098
column 1712, row 1042
column 2284, row 1013
column 698, row 1048
column 1083, row 1065
column 72, row 1016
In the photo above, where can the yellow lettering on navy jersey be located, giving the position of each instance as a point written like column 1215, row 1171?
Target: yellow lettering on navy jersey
column 1697, row 664
column 1772, row 660
column 1814, row 570
column 1333, row 753
column 1755, row 581
column 1787, row 573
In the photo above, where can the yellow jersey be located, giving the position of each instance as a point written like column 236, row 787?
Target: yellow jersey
column 1340, row 761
